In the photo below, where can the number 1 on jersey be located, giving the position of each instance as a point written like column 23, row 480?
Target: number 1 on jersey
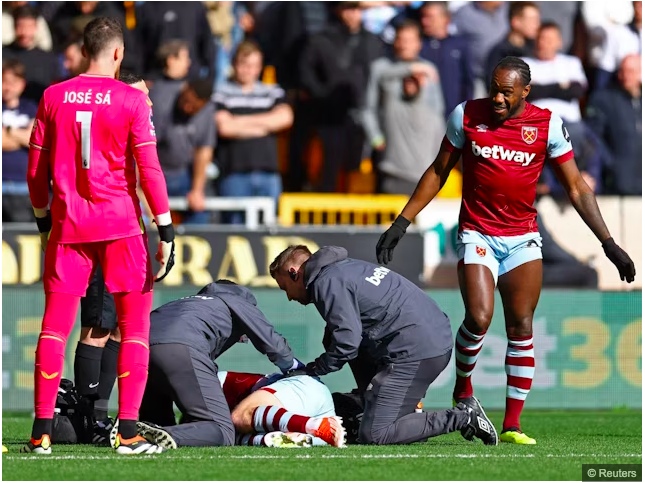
column 85, row 118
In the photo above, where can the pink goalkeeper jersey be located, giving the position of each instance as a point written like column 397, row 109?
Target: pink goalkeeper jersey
column 92, row 128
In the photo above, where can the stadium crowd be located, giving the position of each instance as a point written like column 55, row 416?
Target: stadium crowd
column 253, row 98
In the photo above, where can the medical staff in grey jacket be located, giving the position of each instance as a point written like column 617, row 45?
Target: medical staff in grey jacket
column 400, row 327
column 186, row 336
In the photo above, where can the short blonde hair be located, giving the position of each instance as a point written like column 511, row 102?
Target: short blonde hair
column 290, row 254
column 246, row 48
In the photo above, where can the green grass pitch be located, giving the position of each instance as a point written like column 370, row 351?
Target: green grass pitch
column 566, row 440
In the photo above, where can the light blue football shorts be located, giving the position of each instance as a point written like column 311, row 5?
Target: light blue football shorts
column 500, row 254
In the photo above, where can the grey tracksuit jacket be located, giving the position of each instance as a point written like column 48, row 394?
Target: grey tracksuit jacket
column 362, row 302
column 215, row 319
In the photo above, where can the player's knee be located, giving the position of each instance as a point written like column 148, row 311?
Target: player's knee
column 228, row 435
column 367, row 435
column 242, row 419
column 53, row 334
column 480, row 318
column 115, row 335
column 95, row 336
column 521, row 326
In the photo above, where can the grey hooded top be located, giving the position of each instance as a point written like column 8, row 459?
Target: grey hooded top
column 215, row 319
column 362, row 302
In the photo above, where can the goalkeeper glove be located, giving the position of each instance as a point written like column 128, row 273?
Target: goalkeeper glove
column 166, row 250
column 389, row 240
column 44, row 222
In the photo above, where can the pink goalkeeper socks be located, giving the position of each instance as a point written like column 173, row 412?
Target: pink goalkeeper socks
column 133, row 311
column 60, row 314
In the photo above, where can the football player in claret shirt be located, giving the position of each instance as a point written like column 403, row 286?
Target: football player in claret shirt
column 275, row 410
column 86, row 134
column 504, row 142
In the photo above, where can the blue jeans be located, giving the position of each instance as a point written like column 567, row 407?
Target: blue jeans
column 180, row 184
column 256, row 183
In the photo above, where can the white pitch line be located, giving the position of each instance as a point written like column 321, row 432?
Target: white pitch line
column 308, row 456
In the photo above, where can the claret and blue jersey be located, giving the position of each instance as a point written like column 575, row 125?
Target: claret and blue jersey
column 502, row 164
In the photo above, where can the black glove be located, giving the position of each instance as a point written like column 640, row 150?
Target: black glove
column 619, row 257
column 389, row 239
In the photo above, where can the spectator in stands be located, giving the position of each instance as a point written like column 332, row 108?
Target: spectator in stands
column 619, row 42
column 485, row 24
column 175, row 63
column 449, row 53
column 334, row 70
column 42, row 39
column 18, row 114
column 249, row 113
column 71, row 18
column 403, row 116
column 185, row 140
column 300, row 21
column 281, row 32
column 41, row 68
column 158, row 22
column 564, row 14
column 174, row 59
column 378, row 14
column 599, row 19
column 524, row 21
column 592, row 157
column 74, row 61
column 558, row 80
column 615, row 115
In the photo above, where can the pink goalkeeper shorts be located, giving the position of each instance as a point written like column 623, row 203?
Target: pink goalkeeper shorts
column 126, row 265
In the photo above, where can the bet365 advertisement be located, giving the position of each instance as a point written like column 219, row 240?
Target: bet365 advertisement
column 587, row 347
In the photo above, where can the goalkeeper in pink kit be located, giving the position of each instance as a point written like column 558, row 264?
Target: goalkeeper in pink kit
column 86, row 136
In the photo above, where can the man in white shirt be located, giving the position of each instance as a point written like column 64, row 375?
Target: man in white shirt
column 619, row 41
column 558, row 80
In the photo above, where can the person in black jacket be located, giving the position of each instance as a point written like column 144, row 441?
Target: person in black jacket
column 401, row 329
column 159, row 22
column 449, row 53
column 334, row 70
column 41, row 68
column 524, row 21
column 615, row 115
column 70, row 20
column 186, row 336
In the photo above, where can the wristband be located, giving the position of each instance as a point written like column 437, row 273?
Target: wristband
column 166, row 233
column 45, row 224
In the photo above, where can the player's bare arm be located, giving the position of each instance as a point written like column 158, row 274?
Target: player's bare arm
column 431, row 182
column 427, row 189
column 584, row 201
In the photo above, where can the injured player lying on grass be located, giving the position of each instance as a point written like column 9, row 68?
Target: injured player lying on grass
column 281, row 411
column 276, row 411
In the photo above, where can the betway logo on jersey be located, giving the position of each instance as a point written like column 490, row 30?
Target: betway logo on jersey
column 379, row 274
column 500, row 152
